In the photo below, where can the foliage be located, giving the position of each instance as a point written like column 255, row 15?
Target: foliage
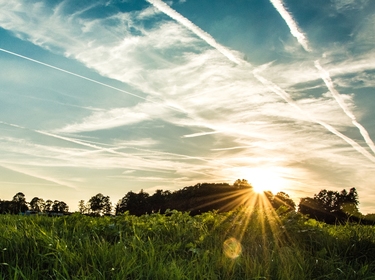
column 37, row 205
column 83, row 207
column 332, row 206
column 100, row 204
column 195, row 199
column 240, row 244
column 60, row 207
column 281, row 199
column 328, row 206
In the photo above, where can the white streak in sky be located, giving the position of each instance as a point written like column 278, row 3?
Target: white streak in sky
column 109, row 150
column 328, row 81
column 71, row 140
column 71, row 73
column 163, row 7
column 227, row 53
column 88, row 79
column 294, row 30
column 200, row 134
column 293, row 26
column 231, row 148
column 32, row 174
column 279, row 91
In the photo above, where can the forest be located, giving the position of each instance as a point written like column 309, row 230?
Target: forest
column 327, row 206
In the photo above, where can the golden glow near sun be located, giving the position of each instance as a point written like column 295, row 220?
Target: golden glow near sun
column 265, row 180
column 259, row 189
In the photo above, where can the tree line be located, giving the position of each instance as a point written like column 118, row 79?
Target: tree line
column 19, row 205
column 327, row 206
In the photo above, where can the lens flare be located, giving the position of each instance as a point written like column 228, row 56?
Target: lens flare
column 232, row 248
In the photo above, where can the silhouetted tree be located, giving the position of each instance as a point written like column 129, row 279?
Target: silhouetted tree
column 48, row 206
column 100, row 204
column 83, row 207
column 37, row 204
column 20, row 205
column 60, row 207
column 242, row 184
column 370, row 217
column 332, row 206
column 8, row 207
column 283, row 199
column 158, row 202
column 205, row 197
column 349, row 202
column 136, row 204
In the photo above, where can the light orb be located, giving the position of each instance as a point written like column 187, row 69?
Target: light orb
column 232, row 248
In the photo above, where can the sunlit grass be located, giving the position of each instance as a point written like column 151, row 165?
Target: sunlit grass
column 254, row 242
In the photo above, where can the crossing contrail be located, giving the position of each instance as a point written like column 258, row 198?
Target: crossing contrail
column 163, row 7
column 282, row 93
column 301, row 38
column 328, row 81
column 294, row 30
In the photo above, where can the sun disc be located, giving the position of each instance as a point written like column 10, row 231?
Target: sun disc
column 259, row 189
column 264, row 180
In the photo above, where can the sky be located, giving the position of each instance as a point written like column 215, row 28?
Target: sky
column 112, row 96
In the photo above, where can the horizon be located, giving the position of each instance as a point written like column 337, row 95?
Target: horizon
column 120, row 96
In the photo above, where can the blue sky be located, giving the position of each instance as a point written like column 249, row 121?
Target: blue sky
column 113, row 96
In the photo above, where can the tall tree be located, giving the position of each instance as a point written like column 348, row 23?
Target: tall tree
column 19, row 200
column 159, row 201
column 48, row 206
column 136, row 204
column 283, row 199
column 100, row 204
column 37, row 204
column 349, row 202
column 83, row 207
column 242, row 184
column 332, row 206
column 60, row 207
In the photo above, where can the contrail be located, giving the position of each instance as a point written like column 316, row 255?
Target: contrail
column 294, row 30
column 71, row 73
column 328, row 81
column 301, row 38
column 102, row 149
column 48, row 179
column 232, row 148
column 200, row 134
column 68, row 139
column 279, row 91
column 88, row 79
column 163, row 7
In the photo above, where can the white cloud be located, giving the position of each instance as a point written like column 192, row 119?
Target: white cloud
column 207, row 92
column 108, row 119
column 343, row 5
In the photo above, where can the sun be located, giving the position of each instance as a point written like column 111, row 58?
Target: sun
column 265, row 180
column 260, row 189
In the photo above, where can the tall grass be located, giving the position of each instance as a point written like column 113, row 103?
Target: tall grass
column 178, row 246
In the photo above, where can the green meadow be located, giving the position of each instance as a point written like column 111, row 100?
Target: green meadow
column 241, row 244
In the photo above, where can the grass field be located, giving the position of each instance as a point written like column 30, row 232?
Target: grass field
column 233, row 245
